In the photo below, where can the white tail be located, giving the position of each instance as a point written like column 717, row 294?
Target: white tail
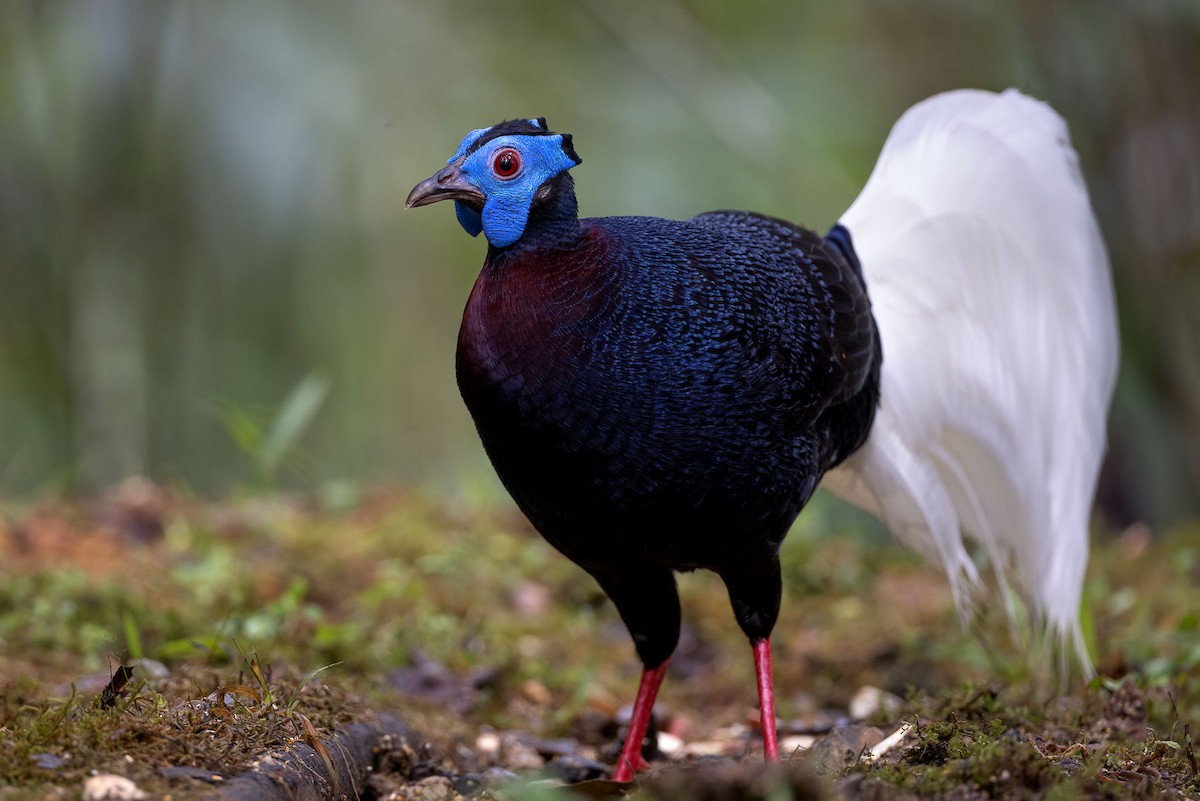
column 991, row 288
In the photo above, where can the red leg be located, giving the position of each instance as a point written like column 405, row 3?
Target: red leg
column 766, row 698
column 631, row 753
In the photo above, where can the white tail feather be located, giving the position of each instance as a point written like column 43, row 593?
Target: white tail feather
column 991, row 288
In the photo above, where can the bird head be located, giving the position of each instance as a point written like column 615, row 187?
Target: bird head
column 498, row 176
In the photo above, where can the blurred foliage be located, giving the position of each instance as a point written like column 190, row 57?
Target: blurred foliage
column 268, row 443
column 201, row 204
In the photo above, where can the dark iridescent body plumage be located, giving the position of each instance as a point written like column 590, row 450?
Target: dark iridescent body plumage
column 657, row 395
column 663, row 395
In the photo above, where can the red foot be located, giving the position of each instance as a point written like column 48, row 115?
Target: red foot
column 631, row 753
column 766, row 698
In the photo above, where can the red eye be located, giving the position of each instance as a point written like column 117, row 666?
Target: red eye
column 506, row 163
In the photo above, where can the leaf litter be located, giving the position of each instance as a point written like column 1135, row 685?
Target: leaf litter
column 177, row 643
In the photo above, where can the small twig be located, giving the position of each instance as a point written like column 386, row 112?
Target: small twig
column 890, row 742
column 1065, row 753
column 1188, row 750
column 1132, row 776
column 1175, row 713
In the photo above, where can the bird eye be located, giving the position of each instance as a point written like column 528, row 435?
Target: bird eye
column 506, row 163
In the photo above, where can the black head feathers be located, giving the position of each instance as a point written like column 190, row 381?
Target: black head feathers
column 522, row 127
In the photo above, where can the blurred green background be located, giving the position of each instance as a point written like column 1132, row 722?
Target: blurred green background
column 207, row 277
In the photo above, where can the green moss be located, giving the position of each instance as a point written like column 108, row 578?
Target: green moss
column 475, row 589
column 1002, row 746
column 219, row 721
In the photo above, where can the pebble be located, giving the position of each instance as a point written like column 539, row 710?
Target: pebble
column 488, row 744
column 842, row 747
column 518, row 755
column 431, row 788
column 669, row 744
column 796, row 742
column 151, row 668
column 48, row 761
column 869, row 700
column 497, row 775
column 468, row 783
column 704, row 748
column 1070, row 766
column 573, row 768
column 536, row 692
column 109, row 787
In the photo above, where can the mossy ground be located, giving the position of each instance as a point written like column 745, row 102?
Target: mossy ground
column 263, row 622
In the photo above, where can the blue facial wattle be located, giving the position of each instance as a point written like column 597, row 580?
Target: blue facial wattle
column 468, row 218
column 508, row 199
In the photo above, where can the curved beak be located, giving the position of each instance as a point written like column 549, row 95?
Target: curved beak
column 447, row 183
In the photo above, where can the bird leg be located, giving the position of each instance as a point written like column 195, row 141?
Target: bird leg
column 649, row 605
column 754, row 590
column 766, row 698
column 631, row 752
